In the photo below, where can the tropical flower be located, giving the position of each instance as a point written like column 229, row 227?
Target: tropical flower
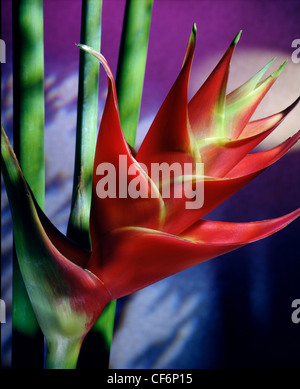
column 138, row 240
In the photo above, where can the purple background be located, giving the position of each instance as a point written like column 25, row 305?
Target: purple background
column 233, row 311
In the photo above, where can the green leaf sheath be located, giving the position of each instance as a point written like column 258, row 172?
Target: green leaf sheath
column 63, row 354
column 28, row 95
column 87, row 109
column 132, row 64
column 67, row 299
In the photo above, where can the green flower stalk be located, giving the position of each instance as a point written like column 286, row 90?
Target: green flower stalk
column 28, row 116
column 132, row 64
column 87, row 113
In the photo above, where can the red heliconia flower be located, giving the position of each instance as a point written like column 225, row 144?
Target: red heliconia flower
column 139, row 240
column 136, row 242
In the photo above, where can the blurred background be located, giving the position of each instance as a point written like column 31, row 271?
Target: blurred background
column 233, row 311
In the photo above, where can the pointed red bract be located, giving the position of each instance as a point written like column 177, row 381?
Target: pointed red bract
column 128, row 267
column 217, row 232
column 108, row 212
column 220, row 156
column 216, row 191
column 169, row 138
column 261, row 125
column 238, row 113
column 206, row 109
column 118, row 174
column 244, row 90
column 259, row 161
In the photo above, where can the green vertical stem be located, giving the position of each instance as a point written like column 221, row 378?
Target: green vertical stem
column 87, row 110
column 132, row 64
column 95, row 351
column 28, row 116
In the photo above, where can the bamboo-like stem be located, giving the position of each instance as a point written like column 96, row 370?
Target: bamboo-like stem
column 132, row 64
column 87, row 109
column 28, row 95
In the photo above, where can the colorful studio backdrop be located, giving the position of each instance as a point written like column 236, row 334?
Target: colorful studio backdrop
column 233, row 311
